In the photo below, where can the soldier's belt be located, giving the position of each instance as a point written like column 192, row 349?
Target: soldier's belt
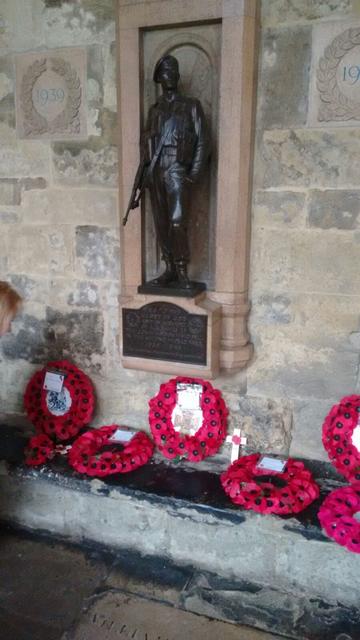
column 169, row 151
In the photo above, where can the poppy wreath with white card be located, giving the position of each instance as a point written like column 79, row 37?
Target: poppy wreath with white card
column 206, row 424
column 108, row 450
column 267, row 491
column 341, row 437
column 60, row 414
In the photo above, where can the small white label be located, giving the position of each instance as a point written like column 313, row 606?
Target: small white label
column 188, row 396
column 271, row 464
column 120, row 435
column 53, row 381
column 63, row 449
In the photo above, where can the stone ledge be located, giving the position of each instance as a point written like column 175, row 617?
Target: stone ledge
column 280, row 574
column 163, row 483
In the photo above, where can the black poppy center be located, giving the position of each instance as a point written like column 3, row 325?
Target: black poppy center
column 275, row 480
column 113, row 448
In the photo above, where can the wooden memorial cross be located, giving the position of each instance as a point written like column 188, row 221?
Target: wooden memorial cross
column 237, row 441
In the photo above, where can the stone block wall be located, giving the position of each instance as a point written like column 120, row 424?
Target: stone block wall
column 305, row 241
column 59, row 235
column 59, row 208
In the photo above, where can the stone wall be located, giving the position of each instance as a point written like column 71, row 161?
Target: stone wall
column 59, row 210
column 59, row 239
column 305, row 242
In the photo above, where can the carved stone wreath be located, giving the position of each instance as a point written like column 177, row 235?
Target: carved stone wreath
column 68, row 121
column 335, row 105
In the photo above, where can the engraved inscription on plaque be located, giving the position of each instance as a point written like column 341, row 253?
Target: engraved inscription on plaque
column 165, row 331
column 50, row 94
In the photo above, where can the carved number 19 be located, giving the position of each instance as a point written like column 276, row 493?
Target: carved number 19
column 351, row 73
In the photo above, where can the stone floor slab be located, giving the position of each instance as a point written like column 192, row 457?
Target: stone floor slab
column 43, row 586
column 117, row 616
column 47, row 587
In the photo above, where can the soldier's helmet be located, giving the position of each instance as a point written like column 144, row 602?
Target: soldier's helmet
column 167, row 61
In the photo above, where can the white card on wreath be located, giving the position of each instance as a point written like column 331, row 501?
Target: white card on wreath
column 53, row 381
column 266, row 463
column 355, row 438
column 121, row 435
column 186, row 421
column 188, row 396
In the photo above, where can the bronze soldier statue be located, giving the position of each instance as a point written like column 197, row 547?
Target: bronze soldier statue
column 174, row 152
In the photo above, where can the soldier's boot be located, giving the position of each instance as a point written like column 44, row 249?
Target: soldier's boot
column 182, row 275
column 169, row 274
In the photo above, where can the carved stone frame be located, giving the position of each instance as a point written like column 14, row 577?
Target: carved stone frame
column 68, row 119
column 69, row 66
column 236, row 126
column 335, row 105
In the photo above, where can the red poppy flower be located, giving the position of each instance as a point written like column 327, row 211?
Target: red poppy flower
column 338, row 429
column 336, row 516
column 63, row 414
column 271, row 492
column 87, row 455
column 38, row 450
column 207, row 439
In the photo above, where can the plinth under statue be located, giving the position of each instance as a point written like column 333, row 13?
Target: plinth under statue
column 174, row 153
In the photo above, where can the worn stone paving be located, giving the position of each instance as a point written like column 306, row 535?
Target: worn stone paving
column 52, row 591
column 118, row 615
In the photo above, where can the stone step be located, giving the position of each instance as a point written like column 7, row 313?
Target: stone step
column 281, row 575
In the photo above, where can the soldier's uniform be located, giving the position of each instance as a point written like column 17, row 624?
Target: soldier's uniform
column 179, row 128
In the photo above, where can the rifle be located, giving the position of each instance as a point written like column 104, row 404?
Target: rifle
column 139, row 185
column 144, row 170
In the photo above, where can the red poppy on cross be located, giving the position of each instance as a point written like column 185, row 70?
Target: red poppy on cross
column 237, row 441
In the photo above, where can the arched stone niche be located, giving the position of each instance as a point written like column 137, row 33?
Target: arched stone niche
column 215, row 43
column 198, row 50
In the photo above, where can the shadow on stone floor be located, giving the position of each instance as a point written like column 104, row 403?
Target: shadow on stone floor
column 43, row 586
column 52, row 591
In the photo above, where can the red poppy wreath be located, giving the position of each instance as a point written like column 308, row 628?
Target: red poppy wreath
column 41, row 448
column 211, row 433
column 288, row 492
column 341, row 437
column 60, row 415
column 336, row 516
column 94, row 454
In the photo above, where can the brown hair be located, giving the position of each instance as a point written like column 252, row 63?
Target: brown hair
column 10, row 302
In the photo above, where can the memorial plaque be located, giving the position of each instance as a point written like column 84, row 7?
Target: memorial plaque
column 165, row 331
column 50, row 94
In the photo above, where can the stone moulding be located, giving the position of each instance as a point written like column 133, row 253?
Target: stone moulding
column 238, row 20
column 35, row 123
column 335, row 105
column 68, row 120
column 69, row 68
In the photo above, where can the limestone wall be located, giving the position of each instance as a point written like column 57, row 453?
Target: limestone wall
column 305, row 243
column 60, row 227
